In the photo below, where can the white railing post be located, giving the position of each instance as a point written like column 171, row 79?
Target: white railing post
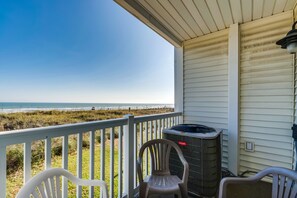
column 129, row 156
column 27, row 161
column 65, row 166
column 2, row 171
column 48, row 152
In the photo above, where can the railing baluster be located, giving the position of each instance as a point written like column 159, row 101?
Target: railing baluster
column 146, row 153
column 79, row 163
column 65, row 166
column 151, row 137
column 27, row 161
column 48, row 152
column 120, row 161
column 167, row 123
column 141, row 138
column 111, row 162
column 161, row 127
column 141, row 134
column 155, row 129
column 136, row 156
column 3, row 171
column 102, row 156
column 151, row 130
column 92, row 160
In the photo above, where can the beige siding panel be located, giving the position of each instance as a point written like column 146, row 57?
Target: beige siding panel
column 206, row 83
column 266, row 93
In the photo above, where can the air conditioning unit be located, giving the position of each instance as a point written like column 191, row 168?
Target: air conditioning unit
column 201, row 147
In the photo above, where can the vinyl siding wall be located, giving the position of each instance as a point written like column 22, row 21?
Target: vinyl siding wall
column 206, row 83
column 267, row 94
column 266, row 90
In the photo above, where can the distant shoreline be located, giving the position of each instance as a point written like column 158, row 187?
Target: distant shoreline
column 6, row 107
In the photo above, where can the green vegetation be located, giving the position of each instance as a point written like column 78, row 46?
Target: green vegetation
column 23, row 120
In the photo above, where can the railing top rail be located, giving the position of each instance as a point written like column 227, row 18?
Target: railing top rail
column 24, row 135
column 139, row 119
column 27, row 135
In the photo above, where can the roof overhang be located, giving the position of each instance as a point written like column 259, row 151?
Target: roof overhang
column 147, row 18
column 181, row 20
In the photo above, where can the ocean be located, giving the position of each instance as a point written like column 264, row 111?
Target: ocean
column 11, row 107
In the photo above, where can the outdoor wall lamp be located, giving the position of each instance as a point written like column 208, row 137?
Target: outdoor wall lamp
column 289, row 42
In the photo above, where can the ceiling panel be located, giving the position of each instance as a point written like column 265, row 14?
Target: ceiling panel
column 173, row 12
column 268, row 7
column 247, row 10
column 279, row 6
column 196, row 15
column 257, row 9
column 225, row 8
column 216, row 13
column 236, row 10
column 162, row 20
column 163, row 12
column 185, row 14
column 186, row 19
column 206, row 15
column 289, row 5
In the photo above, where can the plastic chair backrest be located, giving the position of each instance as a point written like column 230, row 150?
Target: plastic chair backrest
column 159, row 150
column 284, row 182
column 47, row 184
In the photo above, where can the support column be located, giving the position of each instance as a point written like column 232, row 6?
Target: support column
column 233, row 98
column 178, row 79
column 129, row 156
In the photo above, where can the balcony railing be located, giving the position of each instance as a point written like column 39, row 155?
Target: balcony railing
column 132, row 133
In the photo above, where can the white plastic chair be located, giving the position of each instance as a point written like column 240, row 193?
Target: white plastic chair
column 47, row 184
column 284, row 182
column 161, row 182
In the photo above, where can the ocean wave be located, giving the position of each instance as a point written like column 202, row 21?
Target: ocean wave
column 120, row 107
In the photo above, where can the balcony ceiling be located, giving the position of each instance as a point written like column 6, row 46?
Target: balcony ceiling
column 180, row 20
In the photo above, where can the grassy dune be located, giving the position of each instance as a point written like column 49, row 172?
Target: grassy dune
column 23, row 120
column 14, row 121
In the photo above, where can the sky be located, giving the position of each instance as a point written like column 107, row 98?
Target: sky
column 81, row 51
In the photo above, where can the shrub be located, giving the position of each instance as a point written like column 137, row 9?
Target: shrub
column 57, row 150
column 98, row 138
column 15, row 160
column 85, row 144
